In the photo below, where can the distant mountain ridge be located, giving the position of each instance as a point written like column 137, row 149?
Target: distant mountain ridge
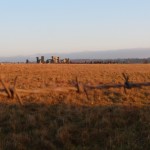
column 111, row 54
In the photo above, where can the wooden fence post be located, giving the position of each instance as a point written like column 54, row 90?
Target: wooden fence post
column 6, row 87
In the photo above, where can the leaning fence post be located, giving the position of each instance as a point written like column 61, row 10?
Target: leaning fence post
column 6, row 88
column 77, row 85
column 15, row 93
column 126, row 83
column 14, row 89
column 86, row 93
column 19, row 98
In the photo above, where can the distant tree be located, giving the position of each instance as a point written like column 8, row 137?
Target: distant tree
column 145, row 61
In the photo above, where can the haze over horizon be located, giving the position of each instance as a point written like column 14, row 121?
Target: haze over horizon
column 34, row 26
column 112, row 54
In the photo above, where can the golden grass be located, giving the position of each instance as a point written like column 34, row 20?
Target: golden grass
column 109, row 119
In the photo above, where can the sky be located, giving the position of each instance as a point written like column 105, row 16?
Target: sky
column 48, row 26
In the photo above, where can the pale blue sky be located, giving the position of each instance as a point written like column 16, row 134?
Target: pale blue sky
column 41, row 26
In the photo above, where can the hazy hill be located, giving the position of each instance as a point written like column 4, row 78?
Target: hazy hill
column 112, row 54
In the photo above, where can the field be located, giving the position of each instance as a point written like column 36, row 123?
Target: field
column 99, row 119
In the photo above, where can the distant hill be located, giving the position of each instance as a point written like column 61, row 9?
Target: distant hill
column 111, row 54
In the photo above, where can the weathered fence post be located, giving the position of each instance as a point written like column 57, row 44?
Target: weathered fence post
column 5, row 87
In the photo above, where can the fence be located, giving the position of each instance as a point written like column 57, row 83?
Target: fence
column 12, row 92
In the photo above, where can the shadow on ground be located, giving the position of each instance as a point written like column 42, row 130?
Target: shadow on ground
column 67, row 126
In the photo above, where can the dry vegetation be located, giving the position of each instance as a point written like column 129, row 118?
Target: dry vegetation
column 108, row 119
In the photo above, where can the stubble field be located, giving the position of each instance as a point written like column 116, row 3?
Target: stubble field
column 105, row 119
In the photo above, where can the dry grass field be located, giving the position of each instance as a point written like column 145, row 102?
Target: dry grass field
column 107, row 120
